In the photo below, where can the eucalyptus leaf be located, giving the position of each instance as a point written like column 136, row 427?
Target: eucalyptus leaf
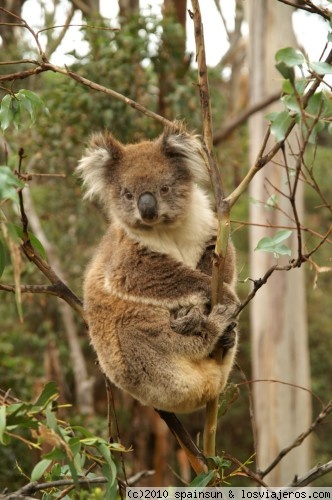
column 6, row 114
column 280, row 124
column 286, row 71
column 48, row 393
column 9, row 184
column 322, row 68
column 35, row 242
column 203, row 479
column 274, row 244
column 2, row 423
column 39, row 469
column 290, row 57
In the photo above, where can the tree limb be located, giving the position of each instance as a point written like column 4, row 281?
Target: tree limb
column 310, row 476
column 225, row 132
column 299, row 440
column 223, row 211
column 262, row 159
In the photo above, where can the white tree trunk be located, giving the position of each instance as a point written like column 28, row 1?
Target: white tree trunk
column 278, row 312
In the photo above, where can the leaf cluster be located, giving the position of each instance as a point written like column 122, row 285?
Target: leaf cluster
column 75, row 452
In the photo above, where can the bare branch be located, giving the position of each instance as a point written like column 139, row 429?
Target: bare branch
column 311, row 475
column 308, row 6
column 239, row 120
column 299, row 440
column 245, row 470
column 223, row 212
column 47, row 289
column 262, row 160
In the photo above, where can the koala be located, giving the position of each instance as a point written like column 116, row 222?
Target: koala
column 147, row 288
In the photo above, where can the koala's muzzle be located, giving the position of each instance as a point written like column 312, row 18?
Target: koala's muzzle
column 147, row 206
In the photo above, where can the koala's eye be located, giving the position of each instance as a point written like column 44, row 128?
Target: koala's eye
column 128, row 195
column 164, row 189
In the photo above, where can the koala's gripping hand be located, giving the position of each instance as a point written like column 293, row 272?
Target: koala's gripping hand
column 187, row 320
column 215, row 329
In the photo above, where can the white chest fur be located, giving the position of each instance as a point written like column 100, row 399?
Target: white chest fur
column 186, row 241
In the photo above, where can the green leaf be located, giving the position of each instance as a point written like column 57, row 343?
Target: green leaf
column 287, row 72
column 2, row 423
column 33, row 239
column 2, row 258
column 291, row 103
column 290, row 57
column 274, row 244
column 322, row 68
column 272, row 202
column 111, row 485
column 12, row 106
column 6, row 114
column 287, row 87
column 229, row 395
column 280, row 124
column 49, row 393
column 9, row 184
column 39, row 469
column 220, row 462
column 203, row 479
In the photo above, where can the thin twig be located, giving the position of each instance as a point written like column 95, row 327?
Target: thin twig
column 223, row 213
column 311, row 476
column 245, row 469
column 299, row 440
column 239, row 120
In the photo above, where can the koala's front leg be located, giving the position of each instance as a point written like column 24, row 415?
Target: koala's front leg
column 198, row 334
column 187, row 320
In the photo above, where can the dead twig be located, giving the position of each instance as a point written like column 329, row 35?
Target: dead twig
column 299, row 440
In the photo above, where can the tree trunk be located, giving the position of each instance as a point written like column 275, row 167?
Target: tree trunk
column 278, row 312
column 128, row 8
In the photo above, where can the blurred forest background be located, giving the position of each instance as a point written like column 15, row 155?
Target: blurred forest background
column 145, row 59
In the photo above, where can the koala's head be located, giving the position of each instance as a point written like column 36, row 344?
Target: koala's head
column 145, row 184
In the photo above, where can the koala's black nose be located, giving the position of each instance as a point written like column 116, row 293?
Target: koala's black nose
column 147, row 206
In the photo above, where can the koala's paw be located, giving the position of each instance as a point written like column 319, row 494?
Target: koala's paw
column 223, row 318
column 228, row 339
column 187, row 320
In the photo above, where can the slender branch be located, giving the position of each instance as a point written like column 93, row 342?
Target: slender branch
column 251, row 408
column 54, row 44
column 47, row 289
column 261, row 160
column 133, row 104
column 293, row 264
column 299, row 440
column 223, row 212
column 283, row 226
column 311, row 475
column 245, row 469
column 63, row 291
column 225, row 132
column 308, row 7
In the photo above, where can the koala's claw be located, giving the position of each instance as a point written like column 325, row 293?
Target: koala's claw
column 228, row 339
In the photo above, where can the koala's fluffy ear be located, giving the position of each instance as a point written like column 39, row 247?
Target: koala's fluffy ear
column 177, row 143
column 96, row 165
